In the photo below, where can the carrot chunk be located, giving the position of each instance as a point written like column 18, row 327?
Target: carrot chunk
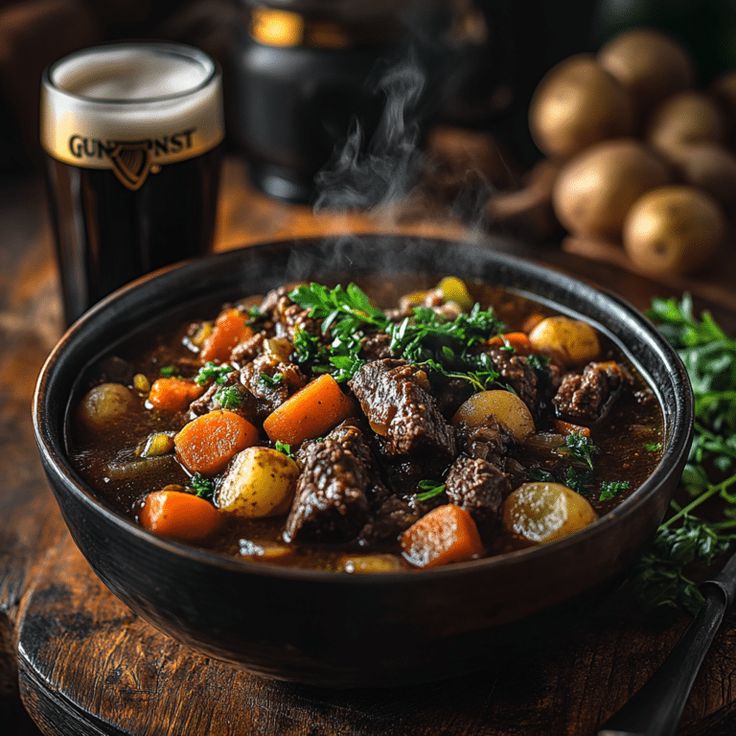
column 519, row 341
column 568, row 428
column 230, row 329
column 178, row 515
column 208, row 443
column 173, row 394
column 446, row 534
column 310, row 412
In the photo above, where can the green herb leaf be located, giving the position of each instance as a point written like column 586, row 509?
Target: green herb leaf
column 255, row 316
column 653, row 446
column 429, row 489
column 579, row 449
column 213, row 372
column 229, row 397
column 541, row 475
column 611, row 488
column 285, row 448
column 270, row 381
column 167, row 371
column 202, row 487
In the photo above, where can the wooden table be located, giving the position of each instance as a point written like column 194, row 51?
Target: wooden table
column 82, row 663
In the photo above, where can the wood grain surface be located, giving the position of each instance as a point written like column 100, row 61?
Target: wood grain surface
column 84, row 664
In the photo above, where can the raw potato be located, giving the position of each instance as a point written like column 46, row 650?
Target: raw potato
column 649, row 64
column 545, row 512
column 103, row 405
column 569, row 341
column 260, row 482
column 689, row 117
column 507, row 408
column 595, row 190
column 673, row 230
column 576, row 104
column 708, row 167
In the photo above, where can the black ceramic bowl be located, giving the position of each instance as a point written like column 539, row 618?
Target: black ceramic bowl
column 347, row 630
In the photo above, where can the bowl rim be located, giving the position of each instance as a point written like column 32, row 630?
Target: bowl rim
column 51, row 446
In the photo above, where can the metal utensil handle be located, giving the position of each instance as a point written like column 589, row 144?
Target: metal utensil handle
column 655, row 710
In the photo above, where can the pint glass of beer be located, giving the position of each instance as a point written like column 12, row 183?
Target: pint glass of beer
column 132, row 136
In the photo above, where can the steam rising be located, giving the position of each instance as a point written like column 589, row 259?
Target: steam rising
column 379, row 173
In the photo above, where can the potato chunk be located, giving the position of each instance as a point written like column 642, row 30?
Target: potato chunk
column 260, row 482
column 507, row 408
column 103, row 405
column 545, row 512
column 568, row 341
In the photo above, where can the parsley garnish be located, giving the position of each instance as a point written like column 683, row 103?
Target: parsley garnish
column 579, row 449
column 662, row 577
column 167, row 371
column 579, row 479
column 611, row 488
column 270, row 381
column 541, row 475
column 228, row 397
column 653, row 446
column 254, row 316
column 284, row 447
column 202, row 487
column 425, row 338
column 429, row 489
column 212, row 371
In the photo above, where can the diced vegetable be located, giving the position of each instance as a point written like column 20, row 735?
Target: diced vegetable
column 157, row 444
column 367, row 564
column 265, row 550
column 569, row 341
column 507, row 408
column 173, row 394
column 208, row 443
column 519, row 341
column 454, row 290
column 310, row 412
column 136, row 469
column 446, row 534
column 544, row 512
column 141, row 384
column 531, row 322
column 568, row 428
column 229, row 330
column 175, row 514
column 105, row 404
column 259, row 482
column 280, row 348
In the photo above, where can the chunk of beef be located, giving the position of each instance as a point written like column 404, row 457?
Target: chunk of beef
column 450, row 393
column 516, row 371
column 588, row 396
column 490, row 441
column 394, row 516
column 394, row 396
column 270, row 394
column 331, row 504
column 249, row 349
column 478, row 487
column 376, row 346
column 288, row 317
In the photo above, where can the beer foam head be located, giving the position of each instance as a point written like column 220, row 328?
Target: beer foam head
column 131, row 92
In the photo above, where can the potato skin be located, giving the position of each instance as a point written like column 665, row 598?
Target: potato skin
column 260, row 482
column 595, row 190
column 673, row 230
column 649, row 64
column 688, row 117
column 545, row 512
column 569, row 341
column 507, row 408
column 576, row 104
column 105, row 404
column 709, row 167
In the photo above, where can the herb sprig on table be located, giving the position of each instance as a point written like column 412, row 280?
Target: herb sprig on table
column 426, row 338
column 689, row 538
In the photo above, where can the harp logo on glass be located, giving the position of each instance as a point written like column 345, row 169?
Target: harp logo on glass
column 132, row 161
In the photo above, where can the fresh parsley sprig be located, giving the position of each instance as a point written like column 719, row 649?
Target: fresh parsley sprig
column 201, row 486
column 686, row 537
column 213, row 372
column 429, row 489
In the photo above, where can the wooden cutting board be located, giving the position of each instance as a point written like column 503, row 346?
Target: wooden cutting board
column 84, row 664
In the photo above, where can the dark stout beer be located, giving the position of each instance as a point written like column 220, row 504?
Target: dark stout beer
column 132, row 134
